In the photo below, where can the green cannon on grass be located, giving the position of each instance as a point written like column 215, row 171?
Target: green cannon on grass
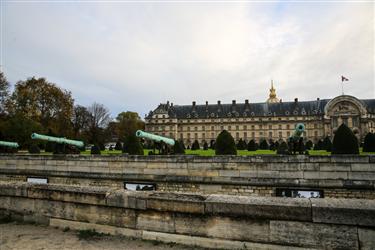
column 164, row 143
column 295, row 141
column 60, row 142
column 8, row 147
column 9, row 144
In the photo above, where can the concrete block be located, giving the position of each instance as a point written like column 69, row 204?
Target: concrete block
column 344, row 211
column 359, row 167
column 76, row 225
column 366, row 238
column 259, row 207
column 337, row 167
column 291, row 174
column 267, row 174
column 314, row 235
column 155, row 221
column 362, row 175
column 229, row 173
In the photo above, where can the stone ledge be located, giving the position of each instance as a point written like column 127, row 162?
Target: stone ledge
column 344, row 211
column 193, row 241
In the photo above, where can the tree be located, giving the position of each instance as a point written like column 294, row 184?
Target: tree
column 272, row 145
column 34, row 149
column 225, row 144
column 80, row 120
column 132, row 145
column 43, row 102
column 345, row 141
column 195, row 145
column 283, row 148
column 327, row 144
column 263, row 145
column 369, row 143
column 128, row 123
column 252, row 146
column 99, row 119
column 4, row 92
column 178, row 148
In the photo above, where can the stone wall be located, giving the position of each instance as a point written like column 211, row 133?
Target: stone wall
column 214, row 221
column 336, row 176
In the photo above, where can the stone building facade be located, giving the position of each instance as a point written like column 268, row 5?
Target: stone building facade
column 273, row 119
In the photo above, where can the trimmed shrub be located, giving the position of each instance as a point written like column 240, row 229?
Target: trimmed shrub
column 369, row 143
column 205, row 146
column 327, row 144
column 34, row 149
column 132, row 145
column 178, row 148
column 241, row 144
column 50, row 147
column 283, row 149
column 101, row 146
column 225, row 144
column 309, row 145
column 263, row 145
column 212, row 144
column 252, row 146
column 95, row 150
column 345, row 141
column 195, row 145
column 118, row 145
column 272, row 145
column 318, row 145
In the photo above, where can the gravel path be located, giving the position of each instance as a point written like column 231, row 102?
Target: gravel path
column 36, row 237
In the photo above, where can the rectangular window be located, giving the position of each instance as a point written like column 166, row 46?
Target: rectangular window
column 280, row 126
column 38, row 180
column 196, row 128
column 203, row 128
column 229, row 127
column 203, row 136
column 270, row 127
column 188, row 135
column 355, row 121
column 253, row 135
column 222, row 128
column 288, row 133
column 245, row 135
column 260, row 126
column 212, row 128
column 244, row 127
column 170, row 135
column 334, row 122
column 287, row 126
column 316, row 133
column 252, row 127
column 270, row 134
column 181, row 136
column 170, row 127
column 237, row 135
column 212, row 135
column 195, row 136
column 237, row 127
column 280, row 134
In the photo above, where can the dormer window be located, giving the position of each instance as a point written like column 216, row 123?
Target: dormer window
column 295, row 112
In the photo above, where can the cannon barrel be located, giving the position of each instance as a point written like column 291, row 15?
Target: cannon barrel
column 298, row 131
column 153, row 137
column 9, row 144
column 60, row 140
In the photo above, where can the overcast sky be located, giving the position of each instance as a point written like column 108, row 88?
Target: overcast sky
column 133, row 56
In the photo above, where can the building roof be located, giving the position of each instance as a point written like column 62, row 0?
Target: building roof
column 240, row 110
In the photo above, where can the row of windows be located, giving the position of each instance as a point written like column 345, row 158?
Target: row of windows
column 229, row 127
column 237, row 119
column 237, row 135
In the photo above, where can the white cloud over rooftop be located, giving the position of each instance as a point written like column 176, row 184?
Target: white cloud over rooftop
column 132, row 56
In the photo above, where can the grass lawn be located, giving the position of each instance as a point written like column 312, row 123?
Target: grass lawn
column 209, row 152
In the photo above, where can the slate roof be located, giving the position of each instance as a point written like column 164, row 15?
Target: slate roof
column 237, row 110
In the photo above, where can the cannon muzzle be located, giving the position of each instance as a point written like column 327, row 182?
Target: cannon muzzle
column 153, row 137
column 9, row 144
column 59, row 140
column 298, row 131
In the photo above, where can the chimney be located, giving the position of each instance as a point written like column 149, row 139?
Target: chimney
column 193, row 103
column 246, row 101
column 206, row 103
column 318, row 99
column 234, row 102
column 295, row 99
column 281, row 100
column 218, row 102
column 167, row 103
column 171, row 104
